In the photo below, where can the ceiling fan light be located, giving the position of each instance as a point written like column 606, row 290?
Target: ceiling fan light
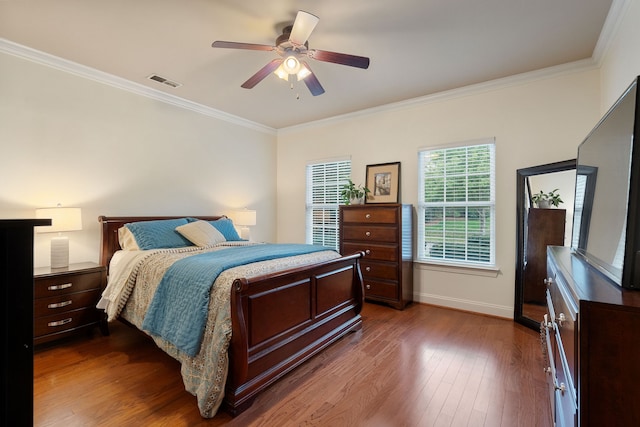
column 304, row 72
column 280, row 72
column 291, row 65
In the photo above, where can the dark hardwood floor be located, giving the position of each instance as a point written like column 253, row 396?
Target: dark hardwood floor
column 424, row 366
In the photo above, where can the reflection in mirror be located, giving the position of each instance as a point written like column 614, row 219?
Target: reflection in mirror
column 537, row 228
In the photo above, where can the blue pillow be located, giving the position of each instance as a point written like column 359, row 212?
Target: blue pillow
column 159, row 234
column 225, row 226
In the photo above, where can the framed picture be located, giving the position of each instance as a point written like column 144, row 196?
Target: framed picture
column 383, row 181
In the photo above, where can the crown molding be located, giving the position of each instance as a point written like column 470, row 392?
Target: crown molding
column 610, row 28
column 15, row 49
column 476, row 89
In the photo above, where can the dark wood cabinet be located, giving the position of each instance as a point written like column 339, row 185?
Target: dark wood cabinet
column 385, row 234
column 65, row 300
column 592, row 331
column 545, row 227
column 16, row 277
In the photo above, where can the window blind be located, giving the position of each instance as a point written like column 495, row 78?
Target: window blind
column 456, row 207
column 324, row 182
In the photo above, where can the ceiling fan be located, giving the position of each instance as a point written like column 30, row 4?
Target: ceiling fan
column 292, row 47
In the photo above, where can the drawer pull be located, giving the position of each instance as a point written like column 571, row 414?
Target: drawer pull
column 561, row 318
column 548, row 281
column 368, row 286
column 367, row 252
column 368, row 234
column 60, row 304
column 60, row 287
column 562, row 387
column 60, row 322
column 368, row 268
column 367, row 216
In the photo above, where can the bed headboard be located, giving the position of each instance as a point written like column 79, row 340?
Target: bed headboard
column 109, row 243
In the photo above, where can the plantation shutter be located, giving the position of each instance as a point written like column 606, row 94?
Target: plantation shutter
column 324, row 181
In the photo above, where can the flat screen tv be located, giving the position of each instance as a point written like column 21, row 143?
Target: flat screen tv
column 606, row 226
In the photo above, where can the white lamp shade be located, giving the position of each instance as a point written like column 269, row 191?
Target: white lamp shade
column 245, row 217
column 62, row 219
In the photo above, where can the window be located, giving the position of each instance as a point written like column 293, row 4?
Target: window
column 456, row 204
column 323, row 198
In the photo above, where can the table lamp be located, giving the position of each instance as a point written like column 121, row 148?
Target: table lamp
column 243, row 220
column 62, row 219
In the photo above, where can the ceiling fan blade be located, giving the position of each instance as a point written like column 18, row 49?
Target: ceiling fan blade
column 262, row 73
column 311, row 81
column 302, row 27
column 236, row 45
column 339, row 58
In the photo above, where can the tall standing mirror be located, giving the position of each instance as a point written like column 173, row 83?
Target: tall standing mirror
column 537, row 228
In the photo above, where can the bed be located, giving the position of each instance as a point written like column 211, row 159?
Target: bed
column 276, row 313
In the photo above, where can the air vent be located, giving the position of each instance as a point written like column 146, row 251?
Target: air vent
column 164, row 81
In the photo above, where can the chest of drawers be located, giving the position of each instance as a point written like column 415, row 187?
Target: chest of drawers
column 65, row 300
column 591, row 339
column 385, row 234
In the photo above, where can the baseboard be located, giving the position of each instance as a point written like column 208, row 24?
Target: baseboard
column 466, row 305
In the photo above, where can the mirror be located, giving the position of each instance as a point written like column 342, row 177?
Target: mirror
column 538, row 228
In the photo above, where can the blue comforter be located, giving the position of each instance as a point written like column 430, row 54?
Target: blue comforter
column 178, row 310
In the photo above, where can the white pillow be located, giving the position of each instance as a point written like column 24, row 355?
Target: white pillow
column 201, row 233
column 127, row 240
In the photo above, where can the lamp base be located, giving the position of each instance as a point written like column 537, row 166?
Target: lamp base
column 245, row 233
column 60, row 252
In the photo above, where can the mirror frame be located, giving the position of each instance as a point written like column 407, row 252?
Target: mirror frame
column 522, row 181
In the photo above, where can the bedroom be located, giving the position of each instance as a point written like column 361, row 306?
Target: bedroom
column 93, row 141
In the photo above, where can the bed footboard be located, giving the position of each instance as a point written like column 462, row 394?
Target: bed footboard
column 281, row 320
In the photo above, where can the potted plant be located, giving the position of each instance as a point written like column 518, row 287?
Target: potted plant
column 546, row 200
column 352, row 194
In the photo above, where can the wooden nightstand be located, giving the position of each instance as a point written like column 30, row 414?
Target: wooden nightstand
column 65, row 300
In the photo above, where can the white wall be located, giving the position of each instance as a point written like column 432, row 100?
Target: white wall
column 621, row 62
column 534, row 122
column 70, row 140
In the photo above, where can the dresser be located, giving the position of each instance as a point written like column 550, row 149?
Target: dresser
column 16, row 311
column 385, row 234
column 65, row 300
column 591, row 341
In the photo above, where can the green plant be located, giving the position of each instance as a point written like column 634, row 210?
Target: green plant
column 542, row 199
column 350, row 192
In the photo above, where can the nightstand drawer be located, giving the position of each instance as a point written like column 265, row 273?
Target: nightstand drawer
column 66, row 284
column 64, row 321
column 370, row 233
column 66, row 302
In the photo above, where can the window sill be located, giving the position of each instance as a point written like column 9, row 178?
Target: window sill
column 450, row 267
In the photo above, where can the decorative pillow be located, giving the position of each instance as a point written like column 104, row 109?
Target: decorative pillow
column 201, row 233
column 225, row 226
column 158, row 234
column 126, row 239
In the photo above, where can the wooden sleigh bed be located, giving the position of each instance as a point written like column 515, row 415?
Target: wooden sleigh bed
column 268, row 341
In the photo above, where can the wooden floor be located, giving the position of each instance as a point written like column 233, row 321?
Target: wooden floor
column 424, row 366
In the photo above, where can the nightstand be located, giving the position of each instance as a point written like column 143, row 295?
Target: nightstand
column 65, row 300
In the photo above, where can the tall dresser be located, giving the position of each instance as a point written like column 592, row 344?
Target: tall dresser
column 16, row 311
column 385, row 234
column 592, row 340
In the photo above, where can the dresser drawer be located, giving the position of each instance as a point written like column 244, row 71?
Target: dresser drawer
column 62, row 322
column 372, row 251
column 376, row 270
column 378, row 289
column 379, row 215
column 65, row 302
column 370, row 233
column 50, row 286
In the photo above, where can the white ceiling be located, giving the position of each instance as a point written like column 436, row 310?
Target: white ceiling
column 416, row 47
